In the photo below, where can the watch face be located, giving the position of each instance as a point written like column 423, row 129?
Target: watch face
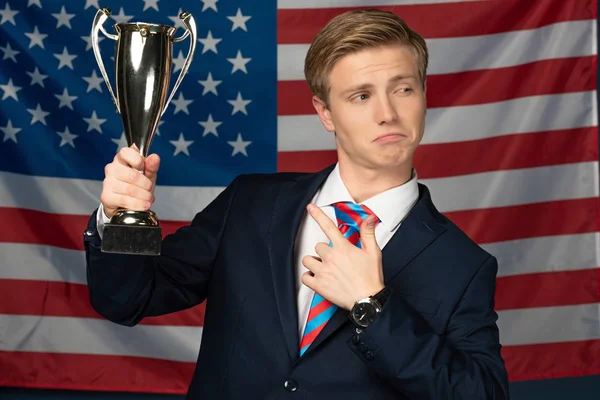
column 364, row 314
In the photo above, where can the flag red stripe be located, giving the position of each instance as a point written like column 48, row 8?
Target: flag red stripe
column 564, row 75
column 560, row 288
column 296, row 26
column 497, row 224
column 462, row 158
column 552, row 360
column 94, row 372
column 64, row 299
column 66, row 230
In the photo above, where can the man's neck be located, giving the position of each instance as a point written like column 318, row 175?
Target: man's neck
column 363, row 183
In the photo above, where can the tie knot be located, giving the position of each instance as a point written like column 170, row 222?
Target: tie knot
column 352, row 214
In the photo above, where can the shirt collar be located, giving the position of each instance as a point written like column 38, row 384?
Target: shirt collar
column 390, row 206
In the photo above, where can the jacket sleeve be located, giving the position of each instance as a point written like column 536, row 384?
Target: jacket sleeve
column 464, row 363
column 126, row 288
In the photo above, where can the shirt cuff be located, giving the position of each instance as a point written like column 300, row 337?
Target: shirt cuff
column 101, row 220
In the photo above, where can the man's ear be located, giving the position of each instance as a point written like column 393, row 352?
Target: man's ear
column 324, row 113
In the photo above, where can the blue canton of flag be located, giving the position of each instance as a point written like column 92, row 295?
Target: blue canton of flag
column 57, row 118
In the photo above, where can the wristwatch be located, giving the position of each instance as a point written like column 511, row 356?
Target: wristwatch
column 365, row 311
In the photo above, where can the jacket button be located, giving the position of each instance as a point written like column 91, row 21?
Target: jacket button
column 362, row 347
column 369, row 356
column 355, row 339
column 290, row 385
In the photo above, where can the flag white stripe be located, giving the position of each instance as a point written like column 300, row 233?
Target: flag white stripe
column 178, row 343
column 523, row 256
column 514, row 187
column 98, row 336
column 552, row 324
column 305, row 4
column 456, row 124
column 450, row 55
column 485, row 190
column 544, row 254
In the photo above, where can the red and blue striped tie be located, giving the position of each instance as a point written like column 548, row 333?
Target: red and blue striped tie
column 349, row 218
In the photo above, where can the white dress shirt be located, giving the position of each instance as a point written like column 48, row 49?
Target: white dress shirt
column 391, row 207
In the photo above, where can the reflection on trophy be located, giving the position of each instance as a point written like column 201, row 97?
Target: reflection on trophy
column 143, row 67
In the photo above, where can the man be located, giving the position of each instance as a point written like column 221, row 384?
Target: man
column 395, row 304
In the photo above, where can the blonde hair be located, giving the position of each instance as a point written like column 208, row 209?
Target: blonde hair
column 351, row 32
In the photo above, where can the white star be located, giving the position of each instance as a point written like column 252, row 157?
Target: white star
column 239, row 104
column 9, row 52
column 210, row 85
column 10, row 90
column 210, row 126
column 178, row 61
column 10, row 132
column 65, row 99
column 212, row 4
column 34, row 2
column 151, row 4
column 121, row 17
column 94, row 82
column 38, row 114
column 239, row 62
column 94, row 122
column 63, row 18
column 37, row 77
column 66, row 60
column 239, row 146
column 8, row 15
column 158, row 127
column 88, row 40
column 181, row 145
column 181, row 104
column 177, row 21
column 66, row 137
column 121, row 142
column 239, row 21
column 89, row 3
column 210, row 43
column 36, row 38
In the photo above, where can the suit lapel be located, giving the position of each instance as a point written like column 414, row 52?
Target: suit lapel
column 418, row 230
column 289, row 210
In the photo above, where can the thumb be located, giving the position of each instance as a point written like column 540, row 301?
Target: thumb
column 367, row 233
column 151, row 165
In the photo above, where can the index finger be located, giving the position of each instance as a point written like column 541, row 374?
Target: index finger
column 329, row 228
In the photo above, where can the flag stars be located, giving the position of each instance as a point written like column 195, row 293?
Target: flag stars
column 181, row 145
column 65, row 99
column 63, row 18
column 239, row 21
column 210, row 85
column 91, row 3
column 121, row 142
column 94, row 123
column 239, row 63
column 10, row 90
column 38, row 115
column 37, row 77
column 8, row 15
column 36, row 38
column 66, row 137
column 150, row 4
column 239, row 146
column 178, row 61
column 34, row 3
column 209, row 43
column 209, row 4
column 10, row 132
column 9, row 52
column 94, row 82
column 65, row 59
column 177, row 21
column 239, row 104
column 121, row 17
column 181, row 104
column 210, row 126
column 88, row 41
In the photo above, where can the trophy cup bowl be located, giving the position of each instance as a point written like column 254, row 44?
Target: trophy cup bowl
column 143, row 67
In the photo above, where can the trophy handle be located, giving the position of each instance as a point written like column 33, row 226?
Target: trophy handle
column 101, row 16
column 190, row 25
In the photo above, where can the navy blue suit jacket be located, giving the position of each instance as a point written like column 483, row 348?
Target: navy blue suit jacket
column 436, row 337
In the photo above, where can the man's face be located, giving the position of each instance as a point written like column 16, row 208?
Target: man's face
column 376, row 108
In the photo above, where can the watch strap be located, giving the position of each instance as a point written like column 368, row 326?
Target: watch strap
column 382, row 296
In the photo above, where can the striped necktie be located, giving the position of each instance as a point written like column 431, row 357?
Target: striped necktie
column 349, row 218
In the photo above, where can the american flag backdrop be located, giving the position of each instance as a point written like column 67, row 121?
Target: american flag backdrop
column 510, row 153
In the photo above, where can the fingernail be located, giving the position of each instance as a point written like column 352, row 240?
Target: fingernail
column 310, row 208
column 371, row 222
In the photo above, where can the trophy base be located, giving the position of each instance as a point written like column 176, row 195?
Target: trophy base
column 132, row 232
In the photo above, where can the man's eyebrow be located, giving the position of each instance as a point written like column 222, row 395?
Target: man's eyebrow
column 365, row 86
